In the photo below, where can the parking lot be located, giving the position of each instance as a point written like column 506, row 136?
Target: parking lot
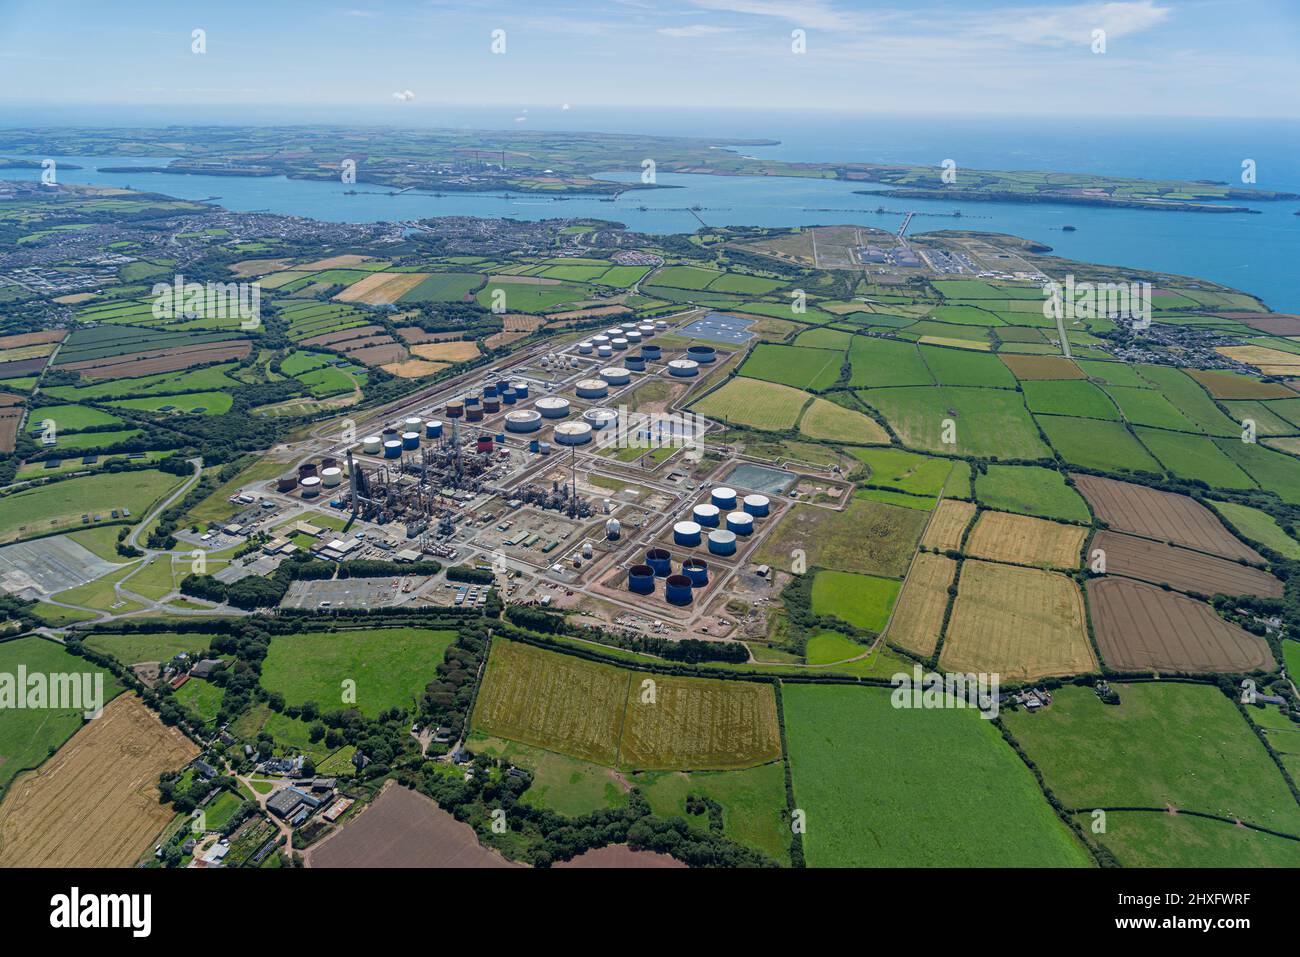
column 352, row 592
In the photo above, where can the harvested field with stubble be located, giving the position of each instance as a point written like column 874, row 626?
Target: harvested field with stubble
column 1022, row 540
column 403, row 828
column 170, row 360
column 553, row 701
column 1042, row 367
column 1164, row 516
column 1021, row 623
column 1141, row 627
column 918, row 617
column 698, row 724
column 948, row 524
column 382, row 288
column 95, row 802
column 447, row 351
column 1182, row 568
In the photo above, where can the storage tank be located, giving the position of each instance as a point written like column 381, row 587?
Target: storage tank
column 552, row 407
column 678, row 590
column 599, row 341
column 393, row 449
column 520, row 387
column 687, row 533
column 661, row 324
column 455, row 409
column 660, row 561
column 653, row 353
column 618, row 343
column 605, row 351
column 287, row 483
column 613, row 529
column 523, row 420
column 641, row 579
column 592, row 388
column 573, row 433
column 483, row 445
column 697, row 570
column 616, row 375
column 490, row 390
column 722, row 542
column 509, row 396
column 307, row 468
column 310, row 486
column 491, row 405
column 724, row 498
column 634, row 363
column 372, row 444
column 410, row 440
column 586, row 348
column 586, row 550
column 413, row 424
column 615, row 332
column 684, row 368
column 646, row 329
column 702, row 353
column 707, row 515
column 433, row 429
column 600, row 417
column 633, row 337
column 331, row 477
column 757, row 505
column 544, row 448
column 473, row 413
column 328, row 462
column 742, row 523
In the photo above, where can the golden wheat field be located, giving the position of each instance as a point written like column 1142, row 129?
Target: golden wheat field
column 918, row 617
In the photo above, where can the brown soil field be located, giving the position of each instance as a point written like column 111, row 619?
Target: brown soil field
column 365, row 342
column 382, row 288
column 343, row 335
column 414, row 368
column 146, row 364
column 1042, row 367
column 1022, row 540
column 74, row 299
column 518, row 322
column 414, row 334
column 8, row 399
column 1275, row 323
column 499, row 339
column 524, row 280
column 32, row 338
column 22, row 367
column 621, row 856
column 918, row 617
column 1224, row 386
column 949, row 522
column 447, row 351
column 378, row 355
column 1182, row 568
column 257, row 267
column 1142, row 627
column 10, row 416
column 1161, row 515
column 1021, row 623
column 403, row 828
column 335, row 262
column 95, row 802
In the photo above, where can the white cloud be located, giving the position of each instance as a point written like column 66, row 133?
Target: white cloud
column 814, row 14
column 402, row 96
column 1057, row 26
column 695, row 30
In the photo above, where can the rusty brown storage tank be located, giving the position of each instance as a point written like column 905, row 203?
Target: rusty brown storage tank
column 286, row 483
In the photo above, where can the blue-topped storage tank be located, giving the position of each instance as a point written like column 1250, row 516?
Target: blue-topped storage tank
column 660, row 561
column 678, row 590
column 722, row 542
column 697, row 570
column 641, row 579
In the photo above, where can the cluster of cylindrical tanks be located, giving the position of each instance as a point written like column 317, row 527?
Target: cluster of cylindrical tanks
column 679, row 587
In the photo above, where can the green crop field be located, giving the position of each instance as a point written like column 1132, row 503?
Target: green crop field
column 880, row 363
column 757, row 404
column 1274, row 471
column 910, row 472
column 867, row 537
column 1159, row 839
column 1095, row 444
column 879, row 788
column 1194, row 457
column 1190, row 399
column 29, row 736
column 1030, row 490
column 34, row 511
column 685, row 277
column 794, row 366
column 532, row 297
column 1166, row 743
column 212, row 403
column 611, row 716
column 1260, row 527
column 1069, row 397
column 985, row 421
column 390, row 666
column 824, row 419
column 444, row 287
column 1147, row 407
column 131, row 648
column 864, row 601
column 964, row 367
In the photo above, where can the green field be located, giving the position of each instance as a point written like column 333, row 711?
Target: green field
column 1158, row 839
column 202, row 697
column 964, row 367
column 29, row 736
column 533, row 297
column 794, row 366
column 754, row 403
column 910, row 472
column 1259, row 527
column 444, row 287
column 1165, row 744
column 835, row 540
column 69, row 418
column 32, row 512
column 1100, row 445
column 1030, row 490
column 880, row 363
column 886, row 787
column 1194, row 457
column 1068, row 397
column 864, row 601
column 390, row 666
column 987, row 422
column 1274, row 471
column 131, row 648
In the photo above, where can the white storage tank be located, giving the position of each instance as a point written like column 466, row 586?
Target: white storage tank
column 573, row 433
column 605, row 351
column 613, row 529
column 553, row 407
column 599, row 341
column 331, row 477
column 310, row 486
column 523, row 420
column 592, row 388
column 757, row 505
column 616, row 375
column 742, row 523
column 586, row 348
column 372, row 444
column 707, row 515
column 619, row 343
column 687, row 533
column 413, row 424
column 683, row 368
column 600, row 417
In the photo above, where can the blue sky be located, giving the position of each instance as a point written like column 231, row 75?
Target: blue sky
column 278, row 59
